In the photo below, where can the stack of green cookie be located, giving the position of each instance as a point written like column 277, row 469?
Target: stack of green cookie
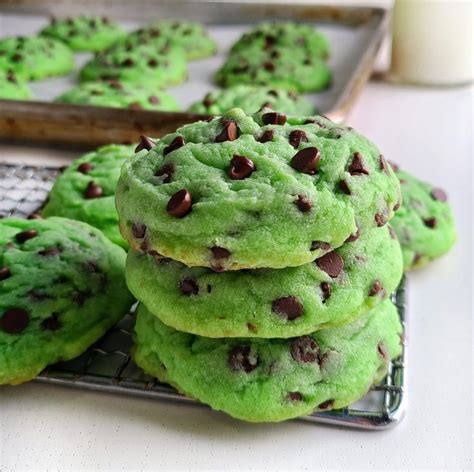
column 261, row 253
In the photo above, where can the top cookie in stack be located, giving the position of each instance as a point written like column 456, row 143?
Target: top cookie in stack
column 243, row 191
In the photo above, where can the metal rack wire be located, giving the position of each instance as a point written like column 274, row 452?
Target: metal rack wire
column 107, row 365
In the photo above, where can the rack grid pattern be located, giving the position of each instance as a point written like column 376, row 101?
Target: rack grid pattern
column 107, row 365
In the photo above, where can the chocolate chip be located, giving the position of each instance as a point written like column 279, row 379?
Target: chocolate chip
column 274, row 118
column 326, row 290
column 80, row 296
column 189, row 287
column 266, row 136
column 306, row 160
column 357, row 166
column 296, row 137
column 430, row 222
column 93, row 191
column 269, row 66
column 17, row 57
column 303, row 204
column 145, row 143
column 288, row 307
column 152, row 62
column 344, row 187
column 208, row 100
column 220, row 252
column 353, row 237
column 383, row 164
column 251, row 327
column 439, row 194
column 209, row 288
column 380, row 219
column 115, row 84
column 14, row 320
column 376, row 289
column 295, row 396
column 241, row 167
column 135, row 106
column 327, row 405
column 242, row 358
column 315, row 245
column 50, row 252
column 25, row 235
column 129, row 62
column 167, row 172
column 266, row 105
column 382, row 351
column 175, row 144
column 228, row 133
column 331, row 263
column 417, row 258
column 273, row 93
column 34, row 216
column 138, row 230
column 180, row 204
column 51, row 324
column 4, row 273
column 304, row 349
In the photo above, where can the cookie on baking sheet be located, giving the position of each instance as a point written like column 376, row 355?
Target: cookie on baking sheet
column 424, row 223
column 277, row 67
column 114, row 93
column 255, row 191
column 86, row 190
column 272, row 379
column 12, row 86
column 250, row 99
column 190, row 36
column 84, row 33
column 62, row 285
column 140, row 64
column 270, row 303
column 35, row 57
column 287, row 34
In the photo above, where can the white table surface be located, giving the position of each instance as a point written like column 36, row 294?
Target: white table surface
column 428, row 132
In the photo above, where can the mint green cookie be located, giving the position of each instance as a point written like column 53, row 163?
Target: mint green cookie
column 35, row 57
column 190, row 36
column 272, row 379
column 288, row 34
column 424, row 223
column 241, row 192
column 250, row 99
column 119, row 94
column 268, row 303
column 84, row 33
column 142, row 64
column 85, row 191
column 13, row 87
column 62, row 286
column 277, row 67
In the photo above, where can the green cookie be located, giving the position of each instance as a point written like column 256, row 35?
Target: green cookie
column 278, row 67
column 142, row 64
column 62, row 287
column 241, row 192
column 119, row 94
column 13, row 87
column 188, row 35
column 287, row 34
column 424, row 223
column 270, row 303
column 84, row 33
column 272, row 379
column 250, row 99
column 35, row 57
column 85, row 191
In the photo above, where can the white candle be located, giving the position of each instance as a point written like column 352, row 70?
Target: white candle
column 433, row 42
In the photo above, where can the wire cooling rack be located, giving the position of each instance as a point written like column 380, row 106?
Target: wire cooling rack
column 107, row 365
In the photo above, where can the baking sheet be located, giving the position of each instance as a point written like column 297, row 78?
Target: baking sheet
column 355, row 34
column 348, row 45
